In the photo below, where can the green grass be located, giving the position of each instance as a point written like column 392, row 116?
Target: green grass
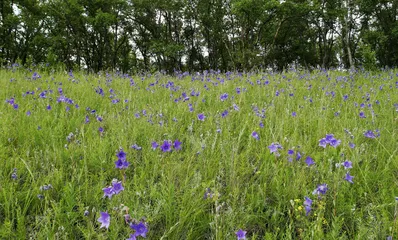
column 251, row 188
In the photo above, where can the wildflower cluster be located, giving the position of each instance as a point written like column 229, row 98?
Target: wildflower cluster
column 11, row 102
column 372, row 134
column 115, row 188
column 121, row 162
column 329, row 139
column 167, row 145
column 291, row 153
column 347, row 165
column 140, row 229
column 274, row 147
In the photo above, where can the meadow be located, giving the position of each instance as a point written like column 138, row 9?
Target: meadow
column 259, row 155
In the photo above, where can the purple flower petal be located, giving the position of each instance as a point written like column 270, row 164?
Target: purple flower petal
column 255, row 135
column 105, row 220
column 241, row 235
column 166, row 146
column 309, row 161
column 348, row 177
column 140, row 229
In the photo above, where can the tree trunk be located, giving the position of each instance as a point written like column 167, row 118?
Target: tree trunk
column 347, row 19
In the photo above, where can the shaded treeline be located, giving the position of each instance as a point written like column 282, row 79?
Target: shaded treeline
column 128, row 35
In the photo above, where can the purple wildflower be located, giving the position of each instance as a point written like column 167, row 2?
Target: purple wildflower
column 46, row 187
column 166, row 146
column 307, row 204
column 309, row 161
column 348, row 177
column 352, row 145
column 100, row 91
column 208, row 194
column 274, row 147
column 320, row 189
column 347, row 164
column 329, row 138
column 241, row 235
column 154, row 145
column 35, row 76
column 117, row 186
column 132, row 237
column 255, row 135
column 335, row 142
column 10, row 101
column 322, row 143
column 290, row 152
column 108, row 192
column 105, row 220
column 121, row 155
column 224, row 114
column 307, row 201
column 224, row 97
column 201, row 117
column 298, row 156
column 14, row 174
column 190, row 107
column 121, row 163
column 136, row 147
column 177, row 145
column 371, row 134
column 140, row 229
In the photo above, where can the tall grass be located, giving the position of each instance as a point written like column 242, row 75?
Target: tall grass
column 222, row 179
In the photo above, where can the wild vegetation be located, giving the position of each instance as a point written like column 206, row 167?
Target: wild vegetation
column 207, row 155
column 190, row 35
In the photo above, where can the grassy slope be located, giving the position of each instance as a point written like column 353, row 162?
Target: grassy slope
column 252, row 188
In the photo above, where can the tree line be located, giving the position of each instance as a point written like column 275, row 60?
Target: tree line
column 134, row 35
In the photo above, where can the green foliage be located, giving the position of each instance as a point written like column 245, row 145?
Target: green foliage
column 368, row 58
column 191, row 35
